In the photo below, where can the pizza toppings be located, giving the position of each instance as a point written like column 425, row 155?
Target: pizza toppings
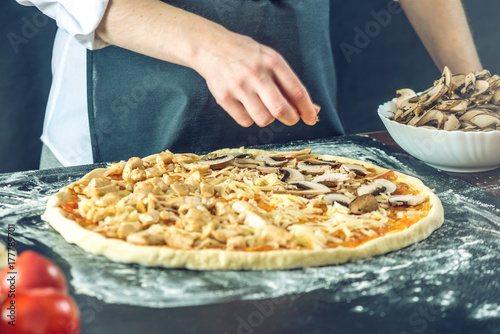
column 292, row 200
column 217, row 162
column 291, row 175
column 98, row 187
column 313, row 167
column 332, row 198
column 376, row 187
column 363, row 204
column 407, row 200
column 280, row 159
column 268, row 169
column 312, row 187
column 373, row 188
column 272, row 160
column 134, row 170
column 389, row 187
column 357, row 169
column 334, row 179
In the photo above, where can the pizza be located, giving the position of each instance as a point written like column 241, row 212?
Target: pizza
column 243, row 209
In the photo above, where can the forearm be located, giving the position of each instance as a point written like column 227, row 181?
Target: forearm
column 443, row 28
column 251, row 81
column 158, row 30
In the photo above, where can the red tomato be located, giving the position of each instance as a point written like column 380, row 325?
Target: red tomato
column 33, row 271
column 40, row 311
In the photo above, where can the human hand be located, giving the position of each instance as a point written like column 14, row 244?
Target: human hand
column 253, row 83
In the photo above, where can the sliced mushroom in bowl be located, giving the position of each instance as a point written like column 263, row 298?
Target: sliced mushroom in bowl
column 458, row 131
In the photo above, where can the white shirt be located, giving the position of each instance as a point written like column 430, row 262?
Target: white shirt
column 66, row 127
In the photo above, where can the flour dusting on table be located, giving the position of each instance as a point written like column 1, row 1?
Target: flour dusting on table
column 437, row 271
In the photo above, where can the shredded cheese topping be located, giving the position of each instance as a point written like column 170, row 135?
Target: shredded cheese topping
column 185, row 201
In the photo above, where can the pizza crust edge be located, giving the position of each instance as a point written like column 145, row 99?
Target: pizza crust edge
column 211, row 259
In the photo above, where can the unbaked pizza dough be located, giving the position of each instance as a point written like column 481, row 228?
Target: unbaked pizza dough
column 143, row 211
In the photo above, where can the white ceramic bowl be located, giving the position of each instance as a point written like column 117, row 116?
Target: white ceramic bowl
column 454, row 151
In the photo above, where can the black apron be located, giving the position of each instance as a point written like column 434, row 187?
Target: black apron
column 139, row 105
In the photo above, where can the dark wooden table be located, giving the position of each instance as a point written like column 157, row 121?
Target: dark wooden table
column 488, row 181
column 447, row 283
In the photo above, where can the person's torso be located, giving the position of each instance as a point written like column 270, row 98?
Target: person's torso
column 140, row 106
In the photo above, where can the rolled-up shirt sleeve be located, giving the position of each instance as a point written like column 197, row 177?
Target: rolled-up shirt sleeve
column 79, row 18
